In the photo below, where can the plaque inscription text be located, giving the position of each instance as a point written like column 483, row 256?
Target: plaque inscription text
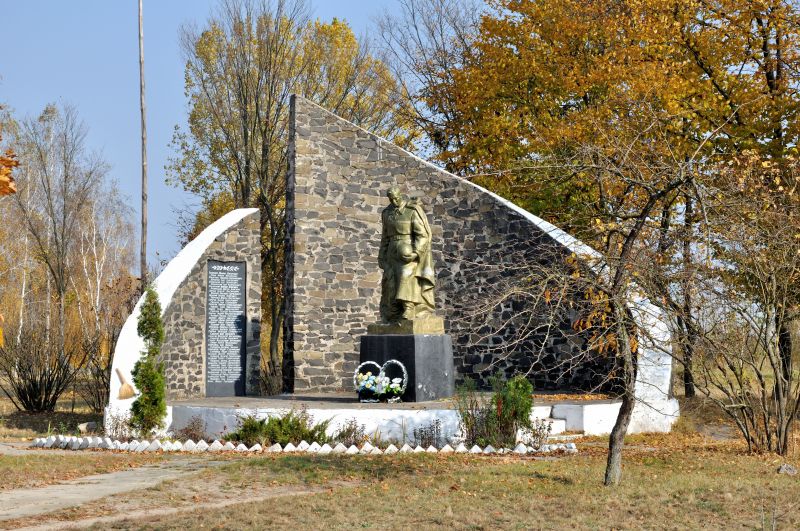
column 226, row 316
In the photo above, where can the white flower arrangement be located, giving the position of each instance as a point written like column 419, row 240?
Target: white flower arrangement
column 374, row 387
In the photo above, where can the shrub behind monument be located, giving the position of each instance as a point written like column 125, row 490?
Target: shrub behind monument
column 150, row 407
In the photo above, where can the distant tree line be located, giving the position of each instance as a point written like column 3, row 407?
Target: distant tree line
column 65, row 264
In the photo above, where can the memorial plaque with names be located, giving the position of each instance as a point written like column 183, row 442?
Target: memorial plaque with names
column 226, row 317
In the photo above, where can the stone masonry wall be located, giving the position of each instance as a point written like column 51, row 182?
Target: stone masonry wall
column 337, row 181
column 184, row 347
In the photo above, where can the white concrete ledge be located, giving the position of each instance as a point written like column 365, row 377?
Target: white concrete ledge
column 589, row 418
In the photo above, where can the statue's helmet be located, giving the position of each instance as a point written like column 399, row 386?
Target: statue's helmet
column 394, row 191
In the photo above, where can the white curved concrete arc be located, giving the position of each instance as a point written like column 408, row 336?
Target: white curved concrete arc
column 129, row 345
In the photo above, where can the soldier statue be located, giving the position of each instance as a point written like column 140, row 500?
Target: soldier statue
column 405, row 257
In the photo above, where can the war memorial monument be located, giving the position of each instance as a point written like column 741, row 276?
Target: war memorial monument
column 387, row 257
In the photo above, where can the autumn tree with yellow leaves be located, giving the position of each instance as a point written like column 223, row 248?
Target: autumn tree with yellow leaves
column 66, row 265
column 612, row 119
column 8, row 161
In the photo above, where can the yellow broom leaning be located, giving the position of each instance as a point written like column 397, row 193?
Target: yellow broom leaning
column 125, row 389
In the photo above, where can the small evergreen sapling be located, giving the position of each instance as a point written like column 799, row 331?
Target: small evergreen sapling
column 150, row 407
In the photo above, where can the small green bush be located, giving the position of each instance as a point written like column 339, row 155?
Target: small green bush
column 291, row 427
column 495, row 421
column 150, row 407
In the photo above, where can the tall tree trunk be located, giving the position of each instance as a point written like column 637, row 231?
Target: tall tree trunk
column 48, row 308
column 23, row 291
column 62, row 322
column 688, row 354
column 272, row 378
column 688, row 320
column 143, row 252
column 616, row 440
column 785, row 347
column 783, row 385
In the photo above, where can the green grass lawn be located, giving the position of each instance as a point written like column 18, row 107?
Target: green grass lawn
column 670, row 482
column 692, row 478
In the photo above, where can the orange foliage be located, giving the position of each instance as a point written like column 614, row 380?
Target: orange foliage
column 8, row 162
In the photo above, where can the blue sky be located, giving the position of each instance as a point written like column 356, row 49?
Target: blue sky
column 85, row 52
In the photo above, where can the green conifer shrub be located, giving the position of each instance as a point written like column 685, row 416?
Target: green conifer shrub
column 291, row 427
column 150, row 407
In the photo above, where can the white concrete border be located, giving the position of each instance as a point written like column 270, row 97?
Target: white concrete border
column 589, row 418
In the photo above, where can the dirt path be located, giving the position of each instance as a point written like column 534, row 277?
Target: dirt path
column 17, row 449
column 21, row 503
column 140, row 515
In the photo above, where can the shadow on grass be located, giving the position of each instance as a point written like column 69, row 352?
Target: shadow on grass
column 319, row 469
column 555, row 479
column 54, row 422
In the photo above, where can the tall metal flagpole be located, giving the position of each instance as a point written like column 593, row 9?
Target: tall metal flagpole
column 143, row 265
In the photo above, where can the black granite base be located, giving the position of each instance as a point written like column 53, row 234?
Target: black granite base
column 428, row 359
